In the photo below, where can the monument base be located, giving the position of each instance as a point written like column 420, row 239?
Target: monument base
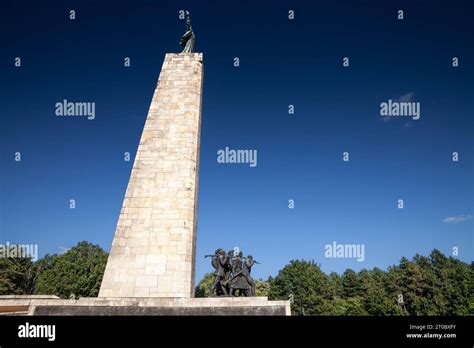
column 51, row 305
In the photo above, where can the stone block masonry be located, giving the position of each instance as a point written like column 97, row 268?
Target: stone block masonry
column 52, row 305
column 153, row 250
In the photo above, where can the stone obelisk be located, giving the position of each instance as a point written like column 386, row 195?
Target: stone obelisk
column 153, row 250
column 150, row 270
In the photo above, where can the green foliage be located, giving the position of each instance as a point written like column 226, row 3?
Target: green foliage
column 308, row 285
column 261, row 287
column 434, row 285
column 17, row 276
column 375, row 297
column 353, row 306
column 204, row 286
column 351, row 284
column 77, row 272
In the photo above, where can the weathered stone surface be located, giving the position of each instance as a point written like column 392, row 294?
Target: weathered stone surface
column 144, row 306
column 153, row 251
column 134, row 310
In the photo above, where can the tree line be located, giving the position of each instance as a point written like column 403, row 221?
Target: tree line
column 426, row 285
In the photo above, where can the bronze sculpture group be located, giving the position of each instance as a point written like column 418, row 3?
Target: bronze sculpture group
column 232, row 274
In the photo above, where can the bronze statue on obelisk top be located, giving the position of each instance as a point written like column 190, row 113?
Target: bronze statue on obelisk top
column 188, row 39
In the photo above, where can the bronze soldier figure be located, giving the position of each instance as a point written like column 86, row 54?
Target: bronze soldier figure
column 246, row 269
column 219, row 262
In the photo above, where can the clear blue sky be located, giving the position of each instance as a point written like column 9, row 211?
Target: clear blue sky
column 282, row 62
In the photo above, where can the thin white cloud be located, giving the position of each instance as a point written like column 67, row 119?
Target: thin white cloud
column 458, row 218
column 406, row 97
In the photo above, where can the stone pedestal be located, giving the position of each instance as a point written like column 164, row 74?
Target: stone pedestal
column 153, row 250
column 49, row 305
